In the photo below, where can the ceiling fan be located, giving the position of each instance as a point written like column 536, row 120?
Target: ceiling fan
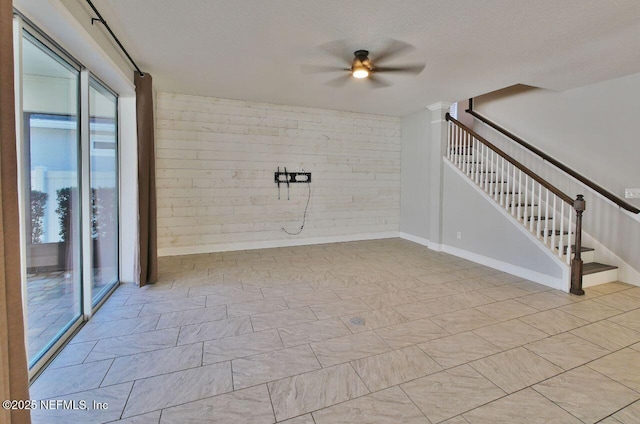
column 363, row 64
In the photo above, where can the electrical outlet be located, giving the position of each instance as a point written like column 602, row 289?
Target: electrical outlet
column 632, row 193
column 459, row 235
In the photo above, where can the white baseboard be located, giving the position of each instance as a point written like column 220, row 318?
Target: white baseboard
column 229, row 247
column 546, row 280
column 422, row 241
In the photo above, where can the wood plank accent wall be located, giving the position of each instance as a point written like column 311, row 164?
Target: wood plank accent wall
column 215, row 165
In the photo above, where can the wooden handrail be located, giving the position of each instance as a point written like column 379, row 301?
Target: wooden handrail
column 564, row 168
column 566, row 198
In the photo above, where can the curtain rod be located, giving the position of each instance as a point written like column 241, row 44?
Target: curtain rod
column 101, row 20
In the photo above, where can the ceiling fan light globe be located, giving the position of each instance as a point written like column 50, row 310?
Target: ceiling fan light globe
column 360, row 73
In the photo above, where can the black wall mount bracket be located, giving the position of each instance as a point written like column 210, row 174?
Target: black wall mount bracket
column 292, row 177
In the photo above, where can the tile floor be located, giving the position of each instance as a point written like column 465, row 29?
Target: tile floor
column 382, row 331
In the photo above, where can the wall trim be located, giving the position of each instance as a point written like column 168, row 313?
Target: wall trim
column 228, row 247
column 565, row 269
column 422, row 241
column 546, row 280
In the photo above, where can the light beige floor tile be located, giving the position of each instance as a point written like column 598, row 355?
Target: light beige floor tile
column 359, row 291
column 149, row 294
column 504, row 292
column 312, row 332
column 135, row 343
column 389, row 406
column 175, row 305
column 515, row 369
column 72, row 379
column 629, row 415
column 344, row 349
column 609, row 288
column 271, row 366
column 114, row 397
column 545, row 300
column 395, row 367
column 620, row 301
column 590, row 310
column 311, row 298
column 303, row 419
column 240, row 346
column 458, row 349
column 282, row 318
column 524, row 407
column 286, row 290
column 434, row 291
column 466, row 300
column 251, row 406
column 461, row 321
column 398, row 284
column 608, row 335
column 143, row 365
column 506, row 310
column 256, row 307
column 575, row 392
column 470, row 284
column 151, row 393
column 72, row 354
column 192, row 316
column 411, row 333
column 629, row 319
column 370, row 320
column 621, row 366
column 509, row 334
column 236, row 296
column 567, row 351
column 456, row 420
column 115, row 328
column 553, row 321
column 315, row 390
column 149, row 418
column 338, row 308
column 419, row 310
column 214, row 330
column 390, row 299
column 449, row 393
column 114, row 313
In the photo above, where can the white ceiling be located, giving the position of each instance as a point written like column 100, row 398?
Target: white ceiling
column 253, row 49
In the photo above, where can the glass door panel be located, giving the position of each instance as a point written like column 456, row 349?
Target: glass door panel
column 103, row 142
column 50, row 167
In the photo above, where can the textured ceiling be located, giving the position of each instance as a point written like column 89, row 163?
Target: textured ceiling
column 252, row 50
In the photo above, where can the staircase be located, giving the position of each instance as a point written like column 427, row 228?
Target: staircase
column 551, row 216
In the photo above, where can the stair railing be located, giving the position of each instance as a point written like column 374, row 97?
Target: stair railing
column 522, row 193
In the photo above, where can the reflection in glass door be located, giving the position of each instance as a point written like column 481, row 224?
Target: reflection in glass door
column 103, row 148
column 50, row 152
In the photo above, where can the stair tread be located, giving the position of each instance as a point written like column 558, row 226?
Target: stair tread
column 593, row 267
column 582, row 249
column 535, row 218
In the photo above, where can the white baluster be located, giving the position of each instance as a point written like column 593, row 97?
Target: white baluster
column 540, row 212
column 561, row 235
column 569, row 236
column 500, row 179
column 526, row 197
column 553, row 222
column 546, row 221
column 513, row 191
column 533, row 203
column 519, row 194
column 476, row 159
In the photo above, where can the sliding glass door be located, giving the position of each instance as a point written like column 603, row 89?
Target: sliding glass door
column 103, row 148
column 68, row 165
column 50, row 175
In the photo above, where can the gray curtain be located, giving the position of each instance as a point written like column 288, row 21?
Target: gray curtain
column 14, row 382
column 146, row 180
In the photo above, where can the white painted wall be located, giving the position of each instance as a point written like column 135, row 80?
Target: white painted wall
column 416, row 156
column 490, row 236
column 591, row 129
column 215, row 174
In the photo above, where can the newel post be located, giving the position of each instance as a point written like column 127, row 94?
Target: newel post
column 576, row 263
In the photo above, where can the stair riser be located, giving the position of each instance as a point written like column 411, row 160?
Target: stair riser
column 597, row 278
